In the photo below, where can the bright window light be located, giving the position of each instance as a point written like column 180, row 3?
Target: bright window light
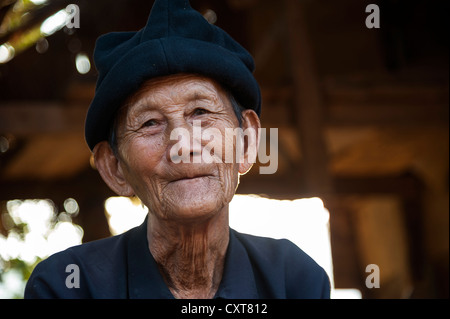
column 302, row 221
column 346, row 294
column 124, row 213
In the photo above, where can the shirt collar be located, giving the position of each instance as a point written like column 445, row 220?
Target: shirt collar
column 238, row 280
column 146, row 282
column 144, row 279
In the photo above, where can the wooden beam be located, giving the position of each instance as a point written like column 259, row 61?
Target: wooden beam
column 28, row 118
column 386, row 102
column 375, row 105
column 288, row 186
column 405, row 186
column 386, row 114
column 87, row 182
column 272, row 186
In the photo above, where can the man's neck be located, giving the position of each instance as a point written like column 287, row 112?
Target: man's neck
column 190, row 255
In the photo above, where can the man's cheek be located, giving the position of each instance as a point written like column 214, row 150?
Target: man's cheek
column 212, row 146
column 229, row 178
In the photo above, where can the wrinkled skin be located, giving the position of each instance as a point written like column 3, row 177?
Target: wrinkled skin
column 187, row 201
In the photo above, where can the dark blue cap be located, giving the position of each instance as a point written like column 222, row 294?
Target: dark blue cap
column 176, row 39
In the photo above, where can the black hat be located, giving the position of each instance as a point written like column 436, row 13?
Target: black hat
column 176, row 39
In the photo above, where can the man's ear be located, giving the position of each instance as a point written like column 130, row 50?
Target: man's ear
column 251, row 127
column 110, row 170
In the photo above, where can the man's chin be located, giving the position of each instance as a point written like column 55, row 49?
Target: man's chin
column 196, row 214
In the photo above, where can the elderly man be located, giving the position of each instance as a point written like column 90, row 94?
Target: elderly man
column 177, row 72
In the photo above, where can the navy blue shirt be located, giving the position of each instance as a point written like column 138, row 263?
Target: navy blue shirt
column 123, row 267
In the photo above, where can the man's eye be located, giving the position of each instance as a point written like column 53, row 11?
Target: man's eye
column 150, row 123
column 200, row 111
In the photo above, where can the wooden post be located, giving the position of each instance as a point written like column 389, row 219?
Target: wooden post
column 308, row 104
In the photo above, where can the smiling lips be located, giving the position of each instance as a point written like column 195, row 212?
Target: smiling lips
column 191, row 177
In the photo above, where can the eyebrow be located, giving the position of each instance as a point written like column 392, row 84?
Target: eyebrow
column 202, row 96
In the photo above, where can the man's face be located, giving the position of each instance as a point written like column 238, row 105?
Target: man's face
column 174, row 189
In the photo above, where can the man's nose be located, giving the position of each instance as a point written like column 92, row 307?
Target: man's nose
column 185, row 142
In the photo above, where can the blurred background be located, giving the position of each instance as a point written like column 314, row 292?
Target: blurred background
column 362, row 147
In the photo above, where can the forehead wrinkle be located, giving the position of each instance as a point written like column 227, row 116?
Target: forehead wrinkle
column 154, row 98
column 144, row 103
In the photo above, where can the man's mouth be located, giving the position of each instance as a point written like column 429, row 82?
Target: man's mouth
column 190, row 177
